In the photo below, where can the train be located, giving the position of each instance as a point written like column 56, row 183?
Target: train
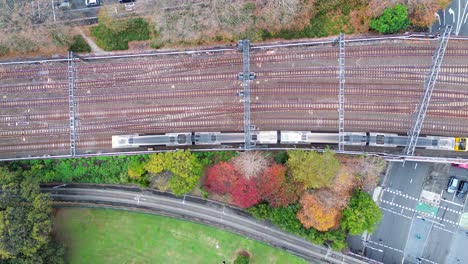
column 283, row 137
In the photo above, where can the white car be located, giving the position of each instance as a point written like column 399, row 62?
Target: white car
column 452, row 184
column 92, row 2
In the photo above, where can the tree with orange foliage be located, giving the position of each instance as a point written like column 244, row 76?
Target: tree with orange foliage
column 314, row 214
column 275, row 188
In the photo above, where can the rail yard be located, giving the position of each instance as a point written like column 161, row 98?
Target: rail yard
column 295, row 88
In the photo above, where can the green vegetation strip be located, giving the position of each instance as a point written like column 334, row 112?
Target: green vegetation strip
column 113, row 236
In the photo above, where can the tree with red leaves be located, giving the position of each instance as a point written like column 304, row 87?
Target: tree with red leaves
column 221, row 178
column 245, row 193
column 275, row 188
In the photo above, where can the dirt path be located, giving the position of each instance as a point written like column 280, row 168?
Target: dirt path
column 94, row 48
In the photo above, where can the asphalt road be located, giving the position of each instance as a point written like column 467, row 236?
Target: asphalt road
column 456, row 15
column 193, row 209
column 387, row 243
column 420, row 223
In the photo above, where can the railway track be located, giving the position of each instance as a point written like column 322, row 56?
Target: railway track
column 295, row 89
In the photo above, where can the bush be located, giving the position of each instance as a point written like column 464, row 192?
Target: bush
column 109, row 39
column 4, row 50
column 285, row 218
column 242, row 259
column 79, row 44
column 392, row 20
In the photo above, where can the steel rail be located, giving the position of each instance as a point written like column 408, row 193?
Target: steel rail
column 194, row 209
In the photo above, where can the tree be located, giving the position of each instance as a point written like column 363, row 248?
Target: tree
column 244, row 193
column 221, row 178
column 136, row 169
column 370, row 170
column 250, row 164
column 156, row 163
column 185, row 167
column 275, row 188
column 314, row 214
column 362, row 214
column 186, row 171
column 25, row 221
column 312, row 169
column 392, row 20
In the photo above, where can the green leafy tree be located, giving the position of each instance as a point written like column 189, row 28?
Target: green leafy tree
column 392, row 20
column 25, row 222
column 136, row 169
column 185, row 167
column 312, row 169
column 155, row 163
column 362, row 214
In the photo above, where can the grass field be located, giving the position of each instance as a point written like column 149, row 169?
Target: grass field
column 114, row 236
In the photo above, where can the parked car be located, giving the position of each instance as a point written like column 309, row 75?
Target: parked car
column 452, row 184
column 92, row 2
column 462, row 189
column 463, row 166
column 126, row 1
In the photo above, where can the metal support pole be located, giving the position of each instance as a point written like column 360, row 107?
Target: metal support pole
column 341, row 101
column 429, row 84
column 71, row 101
column 246, row 76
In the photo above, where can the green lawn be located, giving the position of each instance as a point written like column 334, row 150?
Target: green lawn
column 114, row 236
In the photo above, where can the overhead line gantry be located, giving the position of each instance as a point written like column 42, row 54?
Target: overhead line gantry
column 71, row 101
column 429, row 84
column 246, row 76
column 341, row 102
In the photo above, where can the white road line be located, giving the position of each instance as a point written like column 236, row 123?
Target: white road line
column 450, row 202
column 419, row 200
column 384, row 246
column 415, row 211
column 430, row 261
column 388, row 210
column 446, row 230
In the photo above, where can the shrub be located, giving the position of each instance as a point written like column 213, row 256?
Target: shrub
column 242, row 259
column 79, row 44
column 392, row 20
column 4, row 50
column 109, row 39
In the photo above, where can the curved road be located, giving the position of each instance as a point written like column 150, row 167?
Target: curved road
column 192, row 209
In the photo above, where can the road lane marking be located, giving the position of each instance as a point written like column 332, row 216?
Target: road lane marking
column 419, row 212
column 419, row 200
column 450, row 202
column 388, row 210
column 430, row 261
column 446, row 230
column 384, row 246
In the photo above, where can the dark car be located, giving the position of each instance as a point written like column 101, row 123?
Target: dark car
column 126, row 1
column 452, row 184
column 462, row 189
